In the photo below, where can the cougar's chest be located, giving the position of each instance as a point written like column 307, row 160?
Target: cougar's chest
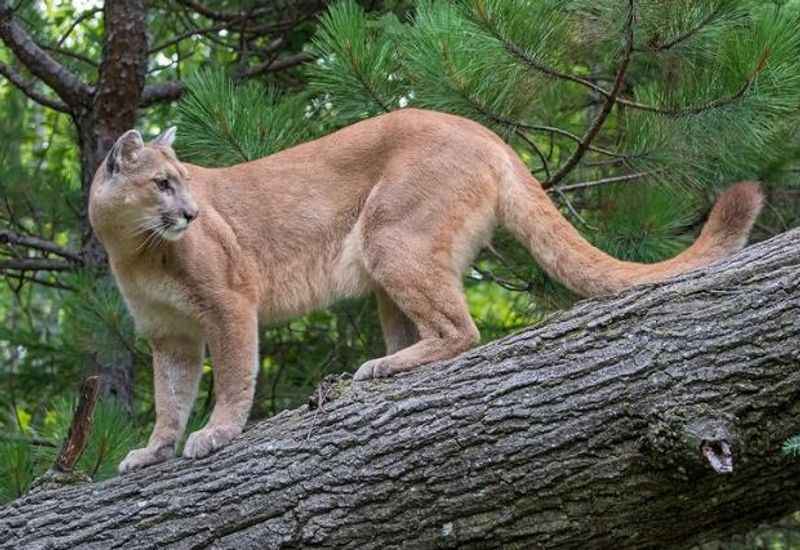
column 158, row 301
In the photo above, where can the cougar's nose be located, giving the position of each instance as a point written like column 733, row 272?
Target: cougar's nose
column 190, row 213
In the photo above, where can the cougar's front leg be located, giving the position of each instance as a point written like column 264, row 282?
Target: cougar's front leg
column 177, row 366
column 232, row 336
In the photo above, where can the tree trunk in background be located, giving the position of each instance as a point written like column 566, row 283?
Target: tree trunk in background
column 596, row 430
column 101, row 112
column 112, row 112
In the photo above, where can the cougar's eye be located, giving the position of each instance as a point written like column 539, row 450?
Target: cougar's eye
column 163, row 184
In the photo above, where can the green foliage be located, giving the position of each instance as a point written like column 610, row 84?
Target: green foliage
column 728, row 99
column 17, row 466
column 356, row 54
column 222, row 123
column 642, row 223
column 29, row 450
column 95, row 319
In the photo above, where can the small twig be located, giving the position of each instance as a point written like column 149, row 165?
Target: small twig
column 603, row 181
column 594, row 129
column 505, row 283
column 553, row 130
column 78, row 20
column 275, row 65
column 185, row 35
column 538, row 152
column 572, row 209
column 29, row 241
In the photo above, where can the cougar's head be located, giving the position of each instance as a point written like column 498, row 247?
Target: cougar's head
column 141, row 191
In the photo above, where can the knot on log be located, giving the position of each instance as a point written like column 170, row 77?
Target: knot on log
column 331, row 387
column 690, row 441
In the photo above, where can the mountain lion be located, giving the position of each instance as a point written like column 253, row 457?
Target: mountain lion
column 398, row 205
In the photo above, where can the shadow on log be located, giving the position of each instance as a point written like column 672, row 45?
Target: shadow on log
column 613, row 425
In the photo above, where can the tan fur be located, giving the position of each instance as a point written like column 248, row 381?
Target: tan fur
column 398, row 204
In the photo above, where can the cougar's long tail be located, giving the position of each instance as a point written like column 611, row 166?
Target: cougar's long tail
column 527, row 211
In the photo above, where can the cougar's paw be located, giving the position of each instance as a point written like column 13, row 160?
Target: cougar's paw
column 203, row 442
column 139, row 458
column 375, row 368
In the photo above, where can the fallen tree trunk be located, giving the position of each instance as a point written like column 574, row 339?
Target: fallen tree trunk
column 600, row 429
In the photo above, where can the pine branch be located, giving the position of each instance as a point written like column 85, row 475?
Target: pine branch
column 28, row 88
column 245, row 15
column 368, row 88
column 583, row 146
column 486, row 275
column 519, row 53
column 22, row 278
column 36, row 264
column 721, row 102
column 188, row 34
column 11, row 238
column 276, row 65
column 561, row 132
column 654, row 46
column 67, row 53
column 515, row 125
column 243, row 23
column 163, row 91
column 64, row 82
column 205, row 11
column 78, row 20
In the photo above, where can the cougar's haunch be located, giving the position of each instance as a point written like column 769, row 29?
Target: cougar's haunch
column 397, row 205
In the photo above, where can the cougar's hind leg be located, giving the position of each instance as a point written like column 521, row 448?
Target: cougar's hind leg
column 399, row 332
column 421, row 226
column 432, row 298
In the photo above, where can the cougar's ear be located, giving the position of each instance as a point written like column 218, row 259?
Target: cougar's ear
column 167, row 137
column 124, row 151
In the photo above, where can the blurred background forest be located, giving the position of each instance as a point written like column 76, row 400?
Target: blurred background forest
column 633, row 114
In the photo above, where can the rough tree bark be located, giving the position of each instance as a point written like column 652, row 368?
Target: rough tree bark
column 595, row 430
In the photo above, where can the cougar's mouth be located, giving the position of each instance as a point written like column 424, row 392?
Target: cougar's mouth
column 174, row 228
